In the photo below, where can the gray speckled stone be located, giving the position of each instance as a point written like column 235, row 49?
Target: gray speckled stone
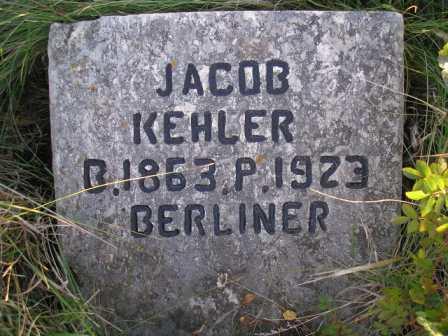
column 346, row 73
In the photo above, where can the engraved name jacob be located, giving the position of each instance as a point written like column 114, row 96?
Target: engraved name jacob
column 154, row 128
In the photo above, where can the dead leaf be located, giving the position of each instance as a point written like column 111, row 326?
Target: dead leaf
column 247, row 321
column 259, row 158
column 248, row 298
column 289, row 315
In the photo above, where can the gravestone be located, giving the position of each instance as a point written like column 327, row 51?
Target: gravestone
column 235, row 135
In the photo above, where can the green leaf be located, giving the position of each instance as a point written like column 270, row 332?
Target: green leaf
column 423, row 168
column 439, row 204
column 435, row 167
column 443, row 165
column 417, row 295
column 419, row 185
column 427, row 206
column 423, row 227
column 400, row 220
column 439, row 181
column 442, row 228
column 444, row 50
column 409, row 211
column 434, row 182
column 416, row 195
column 413, row 226
column 411, row 173
column 430, row 185
column 421, row 253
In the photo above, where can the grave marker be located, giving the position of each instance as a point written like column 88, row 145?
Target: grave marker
column 238, row 117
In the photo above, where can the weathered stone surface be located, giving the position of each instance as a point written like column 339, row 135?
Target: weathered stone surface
column 345, row 76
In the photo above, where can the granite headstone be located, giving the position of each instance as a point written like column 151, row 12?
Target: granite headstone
column 238, row 118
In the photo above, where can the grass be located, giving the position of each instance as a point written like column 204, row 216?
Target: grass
column 39, row 294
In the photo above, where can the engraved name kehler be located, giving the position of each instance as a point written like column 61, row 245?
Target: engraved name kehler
column 200, row 219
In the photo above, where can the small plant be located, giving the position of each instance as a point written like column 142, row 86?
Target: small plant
column 430, row 190
column 416, row 297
